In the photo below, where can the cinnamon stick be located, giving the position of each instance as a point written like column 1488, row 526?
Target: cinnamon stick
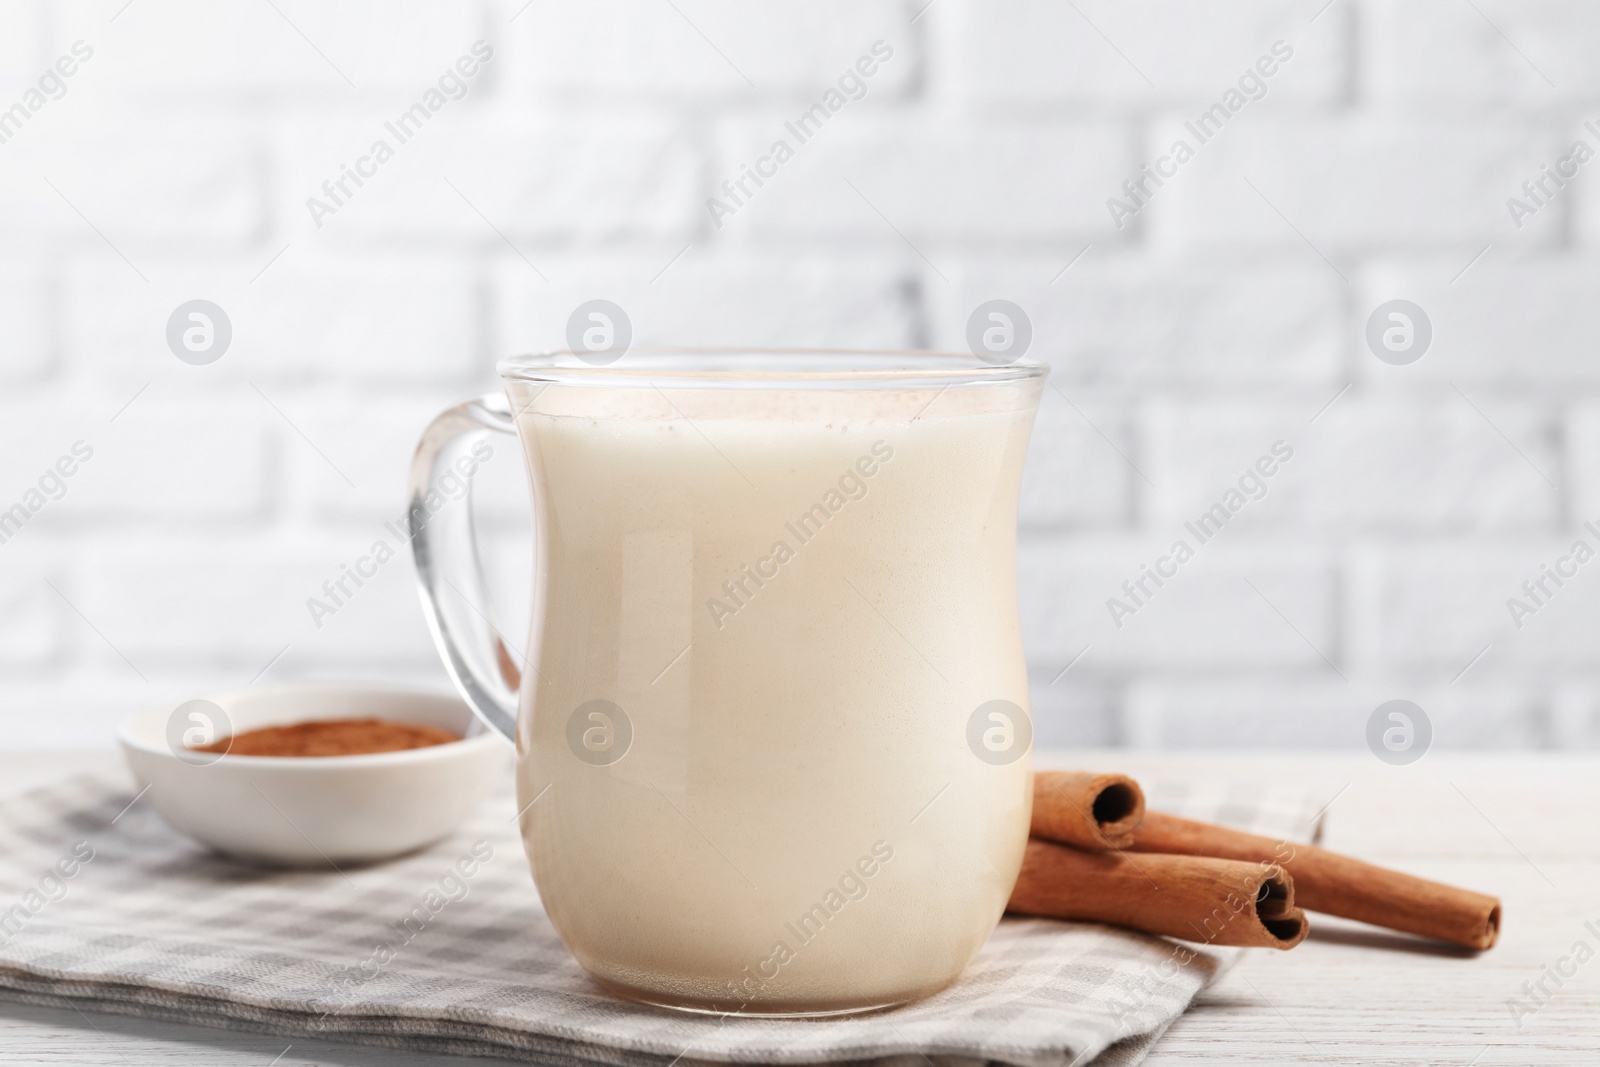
column 1093, row 811
column 1195, row 898
column 1338, row 885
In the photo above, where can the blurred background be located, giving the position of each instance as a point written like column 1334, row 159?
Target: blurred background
column 1342, row 155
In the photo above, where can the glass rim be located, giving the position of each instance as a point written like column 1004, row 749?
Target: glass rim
column 763, row 367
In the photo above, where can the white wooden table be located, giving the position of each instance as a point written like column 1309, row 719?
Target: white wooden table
column 1524, row 826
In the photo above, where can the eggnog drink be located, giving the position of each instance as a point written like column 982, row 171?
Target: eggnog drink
column 764, row 622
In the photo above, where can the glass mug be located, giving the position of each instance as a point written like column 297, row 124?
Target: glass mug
column 773, row 752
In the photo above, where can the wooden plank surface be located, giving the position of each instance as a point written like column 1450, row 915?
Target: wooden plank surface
column 1522, row 826
column 1525, row 826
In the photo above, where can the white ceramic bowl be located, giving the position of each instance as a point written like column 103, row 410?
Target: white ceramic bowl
column 312, row 811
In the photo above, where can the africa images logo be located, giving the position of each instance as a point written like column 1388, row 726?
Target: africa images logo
column 852, row 85
column 453, row 84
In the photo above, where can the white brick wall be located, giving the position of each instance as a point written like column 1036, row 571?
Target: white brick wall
column 1037, row 53
column 1225, row 315
column 26, row 307
column 639, row 49
column 145, row 178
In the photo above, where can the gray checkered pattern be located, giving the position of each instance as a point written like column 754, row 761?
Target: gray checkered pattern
column 156, row 926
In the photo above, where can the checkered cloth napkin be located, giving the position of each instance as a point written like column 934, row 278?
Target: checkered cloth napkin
column 150, row 923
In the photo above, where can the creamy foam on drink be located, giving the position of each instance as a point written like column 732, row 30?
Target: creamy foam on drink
column 796, row 600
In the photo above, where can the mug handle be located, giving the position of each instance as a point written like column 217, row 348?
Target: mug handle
column 449, row 574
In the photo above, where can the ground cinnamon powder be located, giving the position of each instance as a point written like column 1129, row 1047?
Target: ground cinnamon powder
column 331, row 737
